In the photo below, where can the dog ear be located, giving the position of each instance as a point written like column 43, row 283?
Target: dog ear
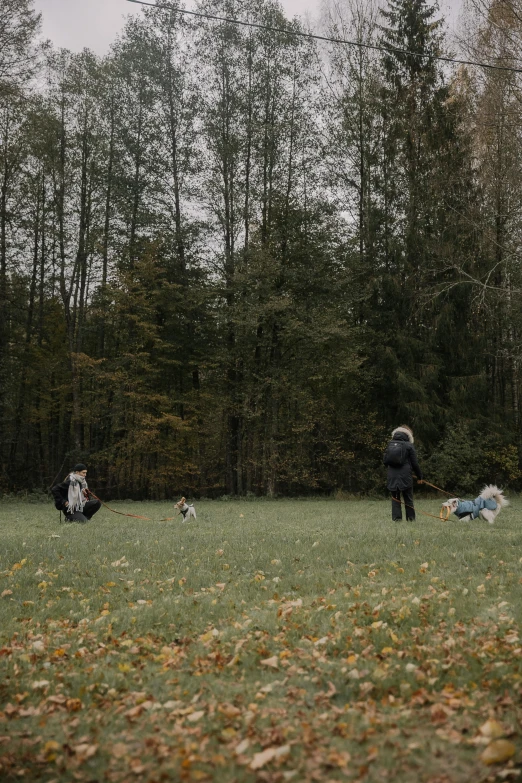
column 182, row 500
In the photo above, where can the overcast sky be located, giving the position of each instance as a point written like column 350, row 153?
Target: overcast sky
column 76, row 24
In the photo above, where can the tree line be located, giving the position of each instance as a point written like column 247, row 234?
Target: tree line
column 232, row 258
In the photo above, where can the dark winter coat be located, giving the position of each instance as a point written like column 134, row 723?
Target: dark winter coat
column 400, row 477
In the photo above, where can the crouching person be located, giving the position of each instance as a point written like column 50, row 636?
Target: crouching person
column 400, row 459
column 72, row 496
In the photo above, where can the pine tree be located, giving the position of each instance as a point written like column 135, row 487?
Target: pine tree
column 416, row 172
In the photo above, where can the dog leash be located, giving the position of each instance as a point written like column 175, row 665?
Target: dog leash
column 444, row 491
column 420, row 511
column 170, row 519
column 444, row 513
column 134, row 516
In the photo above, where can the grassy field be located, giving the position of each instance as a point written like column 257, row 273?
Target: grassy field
column 270, row 641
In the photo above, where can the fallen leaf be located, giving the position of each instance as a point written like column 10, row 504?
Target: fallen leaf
column 195, row 716
column 492, row 728
column 73, row 705
column 228, row 733
column 229, row 710
column 273, row 662
column 85, row 751
column 208, row 636
column 242, row 747
column 260, row 759
column 172, row 705
column 119, row 750
column 498, row 751
column 39, row 684
column 121, row 563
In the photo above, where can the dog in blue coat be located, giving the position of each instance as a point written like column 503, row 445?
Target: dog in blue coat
column 487, row 505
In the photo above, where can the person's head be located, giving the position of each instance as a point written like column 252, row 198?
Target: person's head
column 80, row 469
column 405, row 430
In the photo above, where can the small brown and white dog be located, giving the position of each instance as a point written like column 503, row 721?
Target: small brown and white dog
column 487, row 506
column 187, row 510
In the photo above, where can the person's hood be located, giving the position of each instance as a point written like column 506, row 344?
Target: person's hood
column 401, row 433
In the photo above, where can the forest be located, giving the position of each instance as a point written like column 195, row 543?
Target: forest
column 233, row 258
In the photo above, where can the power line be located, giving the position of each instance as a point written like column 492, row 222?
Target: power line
column 373, row 47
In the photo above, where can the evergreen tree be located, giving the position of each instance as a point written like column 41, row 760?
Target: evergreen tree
column 416, row 172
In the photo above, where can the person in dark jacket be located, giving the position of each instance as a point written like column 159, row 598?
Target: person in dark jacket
column 400, row 459
column 72, row 496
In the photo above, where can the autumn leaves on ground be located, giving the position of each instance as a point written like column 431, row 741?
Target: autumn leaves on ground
column 269, row 641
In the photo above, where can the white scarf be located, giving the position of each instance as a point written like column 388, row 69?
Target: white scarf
column 76, row 497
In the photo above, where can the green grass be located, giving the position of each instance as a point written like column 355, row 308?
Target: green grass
column 393, row 642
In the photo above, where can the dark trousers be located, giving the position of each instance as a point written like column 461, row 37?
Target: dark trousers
column 89, row 510
column 407, row 496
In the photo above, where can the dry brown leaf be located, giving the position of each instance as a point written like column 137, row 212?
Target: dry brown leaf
column 229, row 710
column 134, row 712
column 85, row 750
column 195, row 716
column 272, row 662
column 73, row 705
column 242, row 747
column 119, row 750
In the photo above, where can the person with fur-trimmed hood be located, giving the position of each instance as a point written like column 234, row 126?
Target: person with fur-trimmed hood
column 400, row 459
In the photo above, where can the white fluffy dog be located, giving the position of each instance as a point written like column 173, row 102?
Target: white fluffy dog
column 187, row 510
column 487, row 505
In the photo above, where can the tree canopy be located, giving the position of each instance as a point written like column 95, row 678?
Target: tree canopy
column 232, row 259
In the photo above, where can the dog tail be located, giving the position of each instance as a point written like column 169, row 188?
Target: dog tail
column 491, row 492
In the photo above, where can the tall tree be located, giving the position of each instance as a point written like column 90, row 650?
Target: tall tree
column 19, row 25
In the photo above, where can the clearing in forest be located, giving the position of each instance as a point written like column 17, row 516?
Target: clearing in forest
column 268, row 641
